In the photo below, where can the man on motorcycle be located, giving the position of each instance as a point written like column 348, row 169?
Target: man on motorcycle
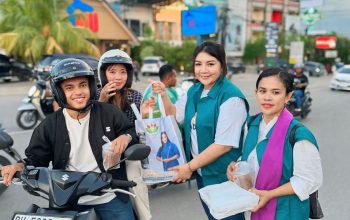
column 71, row 138
column 300, row 83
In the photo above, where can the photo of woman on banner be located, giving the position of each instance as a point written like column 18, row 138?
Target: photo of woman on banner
column 168, row 153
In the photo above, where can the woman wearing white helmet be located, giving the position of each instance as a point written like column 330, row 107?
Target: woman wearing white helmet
column 115, row 72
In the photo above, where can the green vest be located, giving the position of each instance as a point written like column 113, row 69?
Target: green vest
column 288, row 207
column 208, row 109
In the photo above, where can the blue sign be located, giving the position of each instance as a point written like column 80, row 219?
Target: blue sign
column 200, row 20
column 77, row 5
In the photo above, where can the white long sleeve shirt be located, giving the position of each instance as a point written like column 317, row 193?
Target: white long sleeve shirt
column 307, row 169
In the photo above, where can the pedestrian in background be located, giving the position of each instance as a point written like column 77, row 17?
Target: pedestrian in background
column 136, row 66
column 285, row 175
column 167, row 75
column 213, row 112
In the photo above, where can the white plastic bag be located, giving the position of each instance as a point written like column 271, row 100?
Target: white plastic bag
column 227, row 198
column 155, row 129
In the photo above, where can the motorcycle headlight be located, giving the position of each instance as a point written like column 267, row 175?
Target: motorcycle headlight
column 32, row 91
column 317, row 69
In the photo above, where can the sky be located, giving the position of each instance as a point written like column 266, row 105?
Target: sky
column 336, row 17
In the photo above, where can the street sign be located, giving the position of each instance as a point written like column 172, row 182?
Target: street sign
column 271, row 37
column 311, row 15
column 296, row 53
column 199, row 20
column 331, row 54
column 326, row 42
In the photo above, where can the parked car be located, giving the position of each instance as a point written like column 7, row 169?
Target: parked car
column 151, row 65
column 43, row 67
column 271, row 62
column 236, row 67
column 341, row 79
column 11, row 68
column 314, row 68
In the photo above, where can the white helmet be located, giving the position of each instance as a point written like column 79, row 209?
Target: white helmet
column 299, row 66
column 115, row 56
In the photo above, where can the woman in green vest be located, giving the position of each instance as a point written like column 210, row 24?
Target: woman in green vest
column 213, row 113
column 285, row 175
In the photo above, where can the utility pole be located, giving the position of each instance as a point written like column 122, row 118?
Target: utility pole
column 224, row 14
column 267, row 10
column 284, row 17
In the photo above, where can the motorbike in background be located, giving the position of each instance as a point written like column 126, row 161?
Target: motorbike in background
column 63, row 188
column 35, row 106
column 6, row 143
column 305, row 106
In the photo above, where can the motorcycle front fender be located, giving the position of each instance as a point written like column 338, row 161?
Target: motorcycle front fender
column 26, row 100
column 26, row 106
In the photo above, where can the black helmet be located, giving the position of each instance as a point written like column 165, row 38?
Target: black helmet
column 115, row 56
column 66, row 69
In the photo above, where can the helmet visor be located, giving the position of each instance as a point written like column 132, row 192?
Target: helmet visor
column 116, row 59
column 73, row 74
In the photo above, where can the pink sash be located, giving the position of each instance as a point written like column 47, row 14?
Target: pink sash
column 270, row 171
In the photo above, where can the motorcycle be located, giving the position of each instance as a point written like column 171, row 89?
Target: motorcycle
column 35, row 106
column 305, row 106
column 6, row 143
column 64, row 188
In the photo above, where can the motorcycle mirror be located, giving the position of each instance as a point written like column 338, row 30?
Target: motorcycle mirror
column 137, row 152
column 5, row 140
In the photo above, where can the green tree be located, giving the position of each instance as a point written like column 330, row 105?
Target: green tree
column 254, row 50
column 31, row 28
column 178, row 55
column 343, row 48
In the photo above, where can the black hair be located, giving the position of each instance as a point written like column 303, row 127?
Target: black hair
column 124, row 102
column 161, row 136
column 213, row 49
column 161, row 140
column 165, row 70
column 285, row 77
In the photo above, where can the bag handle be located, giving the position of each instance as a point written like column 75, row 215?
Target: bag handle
column 137, row 114
column 161, row 105
column 159, row 100
column 150, row 112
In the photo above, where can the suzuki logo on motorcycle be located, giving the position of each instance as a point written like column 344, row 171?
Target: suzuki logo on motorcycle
column 65, row 177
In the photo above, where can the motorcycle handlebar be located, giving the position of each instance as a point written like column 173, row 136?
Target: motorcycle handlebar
column 17, row 174
column 122, row 183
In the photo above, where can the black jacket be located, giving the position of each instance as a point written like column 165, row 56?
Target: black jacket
column 50, row 140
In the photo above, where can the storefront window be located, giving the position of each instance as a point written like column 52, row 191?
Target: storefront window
column 135, row 27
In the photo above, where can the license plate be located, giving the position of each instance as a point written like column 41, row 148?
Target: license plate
column 24, row 216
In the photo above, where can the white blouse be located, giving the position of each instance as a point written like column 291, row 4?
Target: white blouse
column 307, row 169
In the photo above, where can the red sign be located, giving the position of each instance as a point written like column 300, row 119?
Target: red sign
column 326, row 42
column 276, row 16
column 88, row 20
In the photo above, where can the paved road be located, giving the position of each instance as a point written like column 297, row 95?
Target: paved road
column 328, row 120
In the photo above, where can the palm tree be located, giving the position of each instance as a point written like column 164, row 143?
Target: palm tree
column 31, row 28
